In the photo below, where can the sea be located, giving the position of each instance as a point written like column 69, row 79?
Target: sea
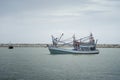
column 35, row 63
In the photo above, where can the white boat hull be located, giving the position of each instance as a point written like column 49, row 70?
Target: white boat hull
column 54, row 50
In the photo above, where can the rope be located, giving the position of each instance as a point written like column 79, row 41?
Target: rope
column 67, row 39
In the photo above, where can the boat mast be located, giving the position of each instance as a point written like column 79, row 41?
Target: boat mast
column 56, row 40
column 60, row 37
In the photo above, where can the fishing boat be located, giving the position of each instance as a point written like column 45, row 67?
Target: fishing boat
column 85, row 45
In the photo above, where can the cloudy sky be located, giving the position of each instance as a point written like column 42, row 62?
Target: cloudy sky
column 34, row 21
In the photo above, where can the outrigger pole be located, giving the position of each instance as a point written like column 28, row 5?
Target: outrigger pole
column 60, row 37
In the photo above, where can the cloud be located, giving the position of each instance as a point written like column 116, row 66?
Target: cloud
column 31, row 19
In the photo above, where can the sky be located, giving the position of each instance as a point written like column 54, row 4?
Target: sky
column 34, row 21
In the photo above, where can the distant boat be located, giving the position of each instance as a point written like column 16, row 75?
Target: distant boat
column 79, row 46
column 10, row 46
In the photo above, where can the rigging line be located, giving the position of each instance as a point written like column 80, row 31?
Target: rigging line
column 83, row 38
column 67, row 39
column 65, row 44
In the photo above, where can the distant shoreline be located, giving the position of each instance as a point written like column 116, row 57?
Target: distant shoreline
column 45, row 45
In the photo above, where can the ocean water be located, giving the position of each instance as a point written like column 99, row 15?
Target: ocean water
column 39, row 64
